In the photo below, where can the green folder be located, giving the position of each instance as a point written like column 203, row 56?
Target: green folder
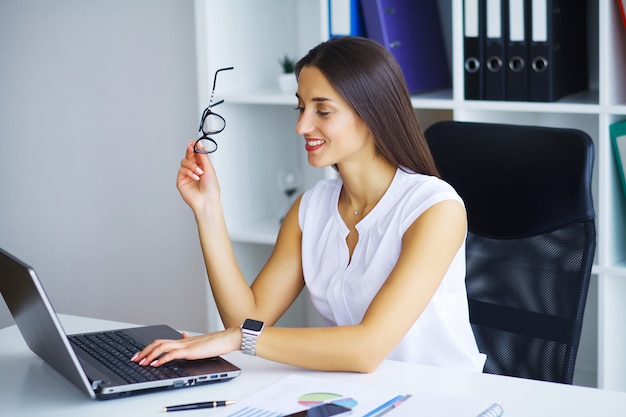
column 618, row 139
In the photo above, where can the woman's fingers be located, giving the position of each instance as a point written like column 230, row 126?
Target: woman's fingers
column 190, row 169
column 160, row 351
column 195, row 164
column 197, row 347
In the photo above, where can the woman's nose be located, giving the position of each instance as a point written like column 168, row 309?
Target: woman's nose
column 304, row 125
column 301, row 126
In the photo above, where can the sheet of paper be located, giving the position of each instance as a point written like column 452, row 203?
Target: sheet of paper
column 295, row 393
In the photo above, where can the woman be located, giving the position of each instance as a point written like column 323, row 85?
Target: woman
column 381, row 249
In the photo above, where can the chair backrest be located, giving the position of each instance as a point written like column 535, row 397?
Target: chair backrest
column 531, row 239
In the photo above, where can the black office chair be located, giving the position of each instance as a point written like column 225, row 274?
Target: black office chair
column 531, row 239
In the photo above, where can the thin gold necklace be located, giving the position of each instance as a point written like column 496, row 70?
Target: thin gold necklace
column 357, row 211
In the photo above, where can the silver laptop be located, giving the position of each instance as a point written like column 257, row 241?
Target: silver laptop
column 98, row 363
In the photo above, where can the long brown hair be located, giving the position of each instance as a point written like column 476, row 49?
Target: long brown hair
column 369, row 78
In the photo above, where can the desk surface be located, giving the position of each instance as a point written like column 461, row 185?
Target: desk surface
column 31, row 388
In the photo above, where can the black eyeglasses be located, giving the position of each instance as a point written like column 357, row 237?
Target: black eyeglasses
column 211, row 123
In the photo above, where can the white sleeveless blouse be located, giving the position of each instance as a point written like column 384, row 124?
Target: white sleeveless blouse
column 341, row 290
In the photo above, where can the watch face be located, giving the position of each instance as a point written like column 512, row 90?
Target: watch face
column 253, row 325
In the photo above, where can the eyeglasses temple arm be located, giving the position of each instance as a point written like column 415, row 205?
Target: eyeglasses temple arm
column 216, row 72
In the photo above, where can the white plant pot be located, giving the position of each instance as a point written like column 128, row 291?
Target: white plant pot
column 287, row 83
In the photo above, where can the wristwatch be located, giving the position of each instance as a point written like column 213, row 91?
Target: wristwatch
column 250, row 330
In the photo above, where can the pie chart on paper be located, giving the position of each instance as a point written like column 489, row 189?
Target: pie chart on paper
column 317, row 398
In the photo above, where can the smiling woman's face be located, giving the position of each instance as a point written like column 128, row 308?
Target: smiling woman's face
column 333, row 132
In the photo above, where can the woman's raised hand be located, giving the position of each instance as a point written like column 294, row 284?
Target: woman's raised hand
column 197, row 181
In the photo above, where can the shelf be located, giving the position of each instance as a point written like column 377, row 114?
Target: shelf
column 620, row 109
column 264, row 96
column 441, row 99
column 581, row 103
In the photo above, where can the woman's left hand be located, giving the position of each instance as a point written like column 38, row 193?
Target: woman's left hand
column 197, row 347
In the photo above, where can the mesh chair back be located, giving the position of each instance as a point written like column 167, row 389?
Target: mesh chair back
column 530, row 243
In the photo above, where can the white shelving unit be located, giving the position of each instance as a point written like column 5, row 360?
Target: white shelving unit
column 259, row 140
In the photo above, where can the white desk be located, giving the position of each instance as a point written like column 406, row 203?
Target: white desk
column 28, row 387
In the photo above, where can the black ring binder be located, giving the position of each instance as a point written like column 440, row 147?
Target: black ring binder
column 494, row 63
column 472, row 65
column 517, row 63
column 540, row 64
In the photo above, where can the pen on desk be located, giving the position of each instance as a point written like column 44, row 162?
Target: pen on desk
column 197, row 406
column 388, row 406
column 384, row 406
column 400, row 401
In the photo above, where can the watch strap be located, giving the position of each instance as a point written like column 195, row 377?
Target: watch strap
column 250, row 331
column 248, row 343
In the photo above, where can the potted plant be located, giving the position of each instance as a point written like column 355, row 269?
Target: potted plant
column 287, row 78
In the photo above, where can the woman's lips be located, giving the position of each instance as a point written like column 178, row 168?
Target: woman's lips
column 313, row 144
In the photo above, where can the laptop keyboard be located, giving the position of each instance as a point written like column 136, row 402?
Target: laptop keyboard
column 114, row 350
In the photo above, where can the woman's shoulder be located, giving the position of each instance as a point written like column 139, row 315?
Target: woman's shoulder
column 415, row 193
column 410, row 182
column 323, row 191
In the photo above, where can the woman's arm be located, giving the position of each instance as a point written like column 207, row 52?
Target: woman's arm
column 273, row 290
column 429, row 246
column 280, row 281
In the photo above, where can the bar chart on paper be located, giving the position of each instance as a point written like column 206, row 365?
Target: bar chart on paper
column 307, row 400
column 254, row 412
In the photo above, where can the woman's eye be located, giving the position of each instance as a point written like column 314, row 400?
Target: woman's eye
column 321, row 113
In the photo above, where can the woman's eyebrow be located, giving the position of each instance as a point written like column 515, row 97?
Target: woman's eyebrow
column 319, row 99
column 316, row 99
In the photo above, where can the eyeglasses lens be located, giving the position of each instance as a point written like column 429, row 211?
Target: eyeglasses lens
column 205, row 145
column 213, row 123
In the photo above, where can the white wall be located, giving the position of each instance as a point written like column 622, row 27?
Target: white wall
column 97, row 102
